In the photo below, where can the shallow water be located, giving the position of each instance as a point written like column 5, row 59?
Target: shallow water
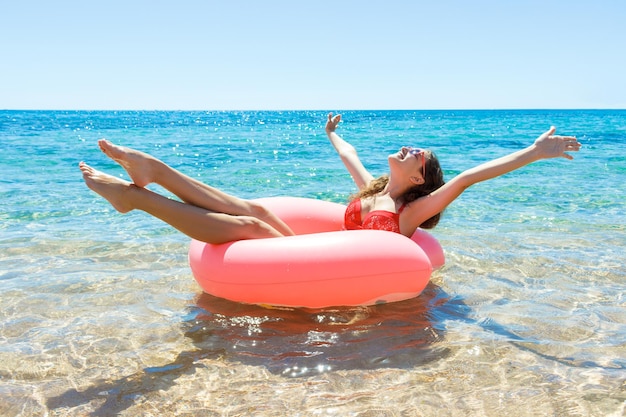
column 101, row 316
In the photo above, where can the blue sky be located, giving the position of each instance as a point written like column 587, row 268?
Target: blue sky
column 238, row 55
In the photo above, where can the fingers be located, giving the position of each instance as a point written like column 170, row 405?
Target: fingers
column 566, row 139
column 332, row 122
column 334, row 119
column 571, row 144
column 569, row 141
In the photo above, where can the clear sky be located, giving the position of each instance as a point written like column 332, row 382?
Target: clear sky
column 304, row 54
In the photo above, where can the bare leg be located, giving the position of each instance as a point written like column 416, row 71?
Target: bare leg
column 195, row 222
column 145, row 169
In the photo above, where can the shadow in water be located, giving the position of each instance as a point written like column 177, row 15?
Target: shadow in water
column 299, row 342
column 290, row 342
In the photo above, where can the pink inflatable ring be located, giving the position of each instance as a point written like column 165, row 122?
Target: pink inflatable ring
column 321, row 266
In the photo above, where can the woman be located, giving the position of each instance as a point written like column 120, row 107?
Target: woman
column 412, row 195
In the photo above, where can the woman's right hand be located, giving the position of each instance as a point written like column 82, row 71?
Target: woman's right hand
column 332, row 122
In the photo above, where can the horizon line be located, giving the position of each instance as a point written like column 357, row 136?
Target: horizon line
column 315, row 110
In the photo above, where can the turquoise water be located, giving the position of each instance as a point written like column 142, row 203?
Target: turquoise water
column 101, row 316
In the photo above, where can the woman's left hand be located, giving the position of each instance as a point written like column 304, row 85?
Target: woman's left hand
column 550, row 145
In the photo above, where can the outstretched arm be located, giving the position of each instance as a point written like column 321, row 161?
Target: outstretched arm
column 548, row 145
column 348, row 154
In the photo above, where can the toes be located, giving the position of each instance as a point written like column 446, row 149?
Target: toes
column 105, row 146
column 86, row 170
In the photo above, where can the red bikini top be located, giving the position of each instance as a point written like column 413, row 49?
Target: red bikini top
column 374, row 220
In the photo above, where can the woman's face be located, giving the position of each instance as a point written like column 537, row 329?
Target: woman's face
column 412, row 161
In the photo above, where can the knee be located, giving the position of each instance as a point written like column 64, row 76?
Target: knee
column 257, row 210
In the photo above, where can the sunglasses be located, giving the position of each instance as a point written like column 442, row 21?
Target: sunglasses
column 416, row 152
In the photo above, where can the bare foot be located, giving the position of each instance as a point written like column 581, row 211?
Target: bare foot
column 111, row 188
column 139, row 165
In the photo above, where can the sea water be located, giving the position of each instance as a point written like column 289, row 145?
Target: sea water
column 100, row 314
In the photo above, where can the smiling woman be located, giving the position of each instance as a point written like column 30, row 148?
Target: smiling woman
column 414, row 194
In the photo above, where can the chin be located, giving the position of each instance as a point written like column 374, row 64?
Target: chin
column 398, row 156
column 393, row 159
